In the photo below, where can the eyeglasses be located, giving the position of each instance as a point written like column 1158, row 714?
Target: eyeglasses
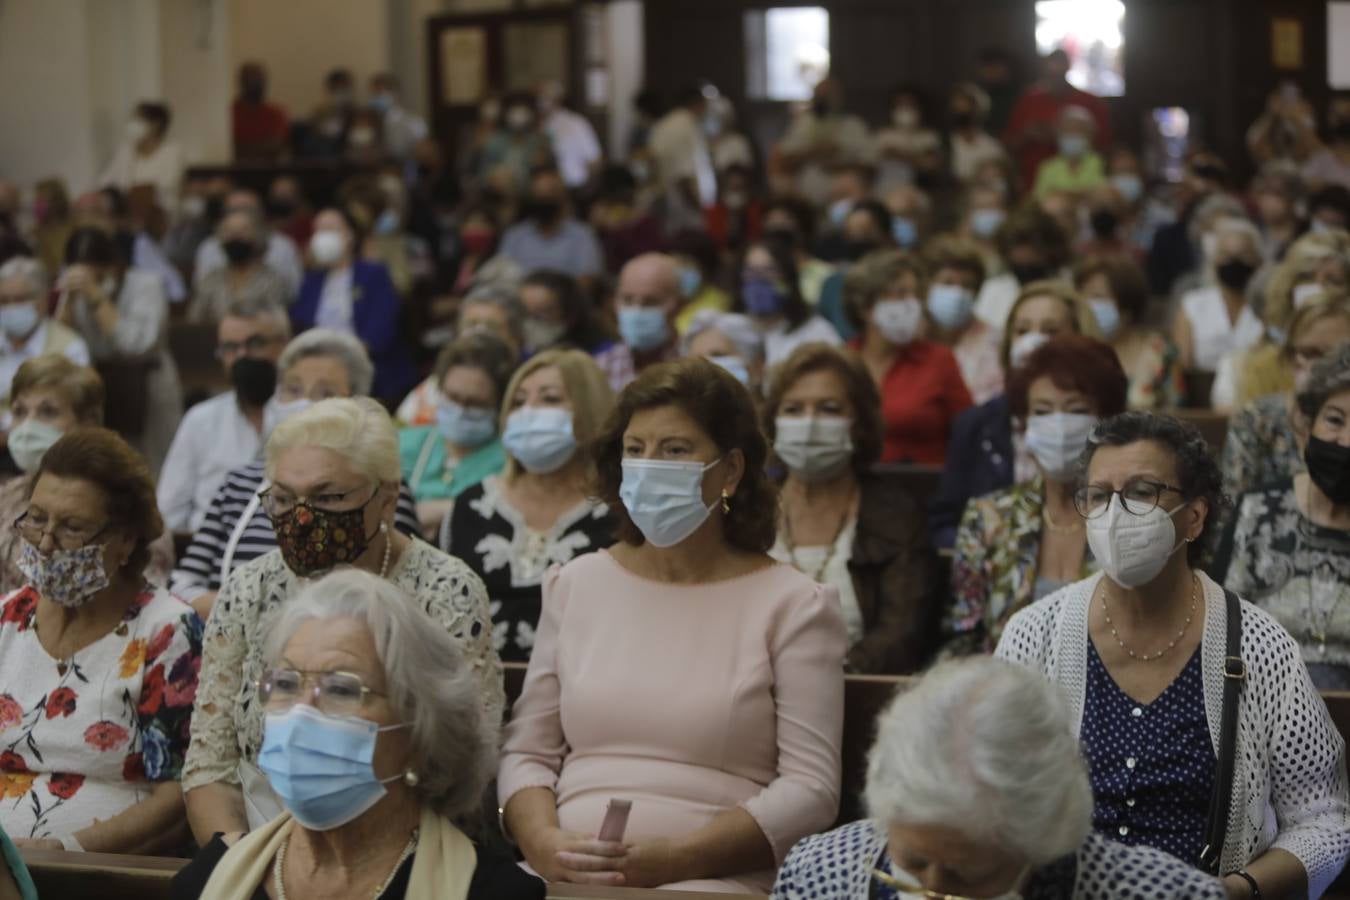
column 67, row 535
column 335, row 693
column 1307, row 356
column 253, row 344
column 1138, row 497
column 278, row 505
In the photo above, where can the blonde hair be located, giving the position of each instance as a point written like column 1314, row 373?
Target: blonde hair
column 1084, row 322
column 1305, row 256
column 587, row 389
column 1265, row 368
column 79, row 386
column 357, row 428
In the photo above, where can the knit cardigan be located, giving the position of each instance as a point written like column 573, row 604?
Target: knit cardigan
column 1289, row 782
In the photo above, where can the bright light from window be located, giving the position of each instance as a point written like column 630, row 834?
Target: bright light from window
column 787, row 51
column 1092, row 32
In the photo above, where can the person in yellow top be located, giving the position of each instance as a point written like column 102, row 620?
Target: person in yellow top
column 697, row 259
column 1077, row 167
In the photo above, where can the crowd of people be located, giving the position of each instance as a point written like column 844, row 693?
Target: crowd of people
column 624, row 420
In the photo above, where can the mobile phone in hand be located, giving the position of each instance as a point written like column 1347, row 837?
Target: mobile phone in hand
column 616, row 820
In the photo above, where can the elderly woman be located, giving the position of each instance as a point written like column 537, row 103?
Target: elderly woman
column 976, row 788
column 731, row 341
column 317, row 365
column 1116, row 291
column 1216, row 319
column 558, row 315
column 353, row 649
column 345, row 292
column 1266, row 437
column 51, row 396
column 25, row 329
column 99, row 669
column 922, row 390
column 123, row 316
column 1139, row 651
column 841, row 525
column 722, row 782
column 245, row 277
column 442, row 461
column 1289, row 546
column 956, row 272
column 770, row 294
column 986, row 453
column 1019, row 544
column 539, row 512
column 333, row 485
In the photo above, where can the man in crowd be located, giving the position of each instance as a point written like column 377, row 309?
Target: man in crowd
column 261, row 129
column 646, row 303
column 575, row 145
column 822, row 139
column 678, row 148
column 550, row 237
column 281, row 254
column 25, row 329
column 147, row 156
column 402, row 128
column 1032, row 134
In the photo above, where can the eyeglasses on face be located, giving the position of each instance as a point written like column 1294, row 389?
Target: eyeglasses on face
column 68, row 535
column 1139, row 497
column 278, row 504
column 335, row 693
column 256, row 343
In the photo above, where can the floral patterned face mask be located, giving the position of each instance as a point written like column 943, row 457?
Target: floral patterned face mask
column 69, row 578
column 315, row 540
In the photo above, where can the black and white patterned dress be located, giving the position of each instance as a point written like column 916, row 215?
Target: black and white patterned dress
column 490, row 534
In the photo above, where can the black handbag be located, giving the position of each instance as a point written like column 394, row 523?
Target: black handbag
column 1234, row 674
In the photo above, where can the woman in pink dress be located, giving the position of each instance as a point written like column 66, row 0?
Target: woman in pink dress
column 682, row 670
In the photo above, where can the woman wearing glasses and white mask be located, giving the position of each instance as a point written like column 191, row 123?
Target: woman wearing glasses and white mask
column 377, row 745
column 1024, row 542
column 333, row 478
column 722, row 781
column 976, row 789
column 841, row 525
column 1145, row 652
column 538, row 512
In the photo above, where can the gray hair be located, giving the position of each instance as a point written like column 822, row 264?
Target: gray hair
column 28, row 268
column 500, row 297
column 1329, row 377
column 257, row 306
column 739, row 329
column 429, row 684
column 985, row 747
column 343, row 347
column 357, row 428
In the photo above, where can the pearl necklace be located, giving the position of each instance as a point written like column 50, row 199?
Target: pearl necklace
column 834, row 542
column 1145, row 657
column 279, row 884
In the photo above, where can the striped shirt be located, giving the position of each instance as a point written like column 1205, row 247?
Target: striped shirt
column 199, row 569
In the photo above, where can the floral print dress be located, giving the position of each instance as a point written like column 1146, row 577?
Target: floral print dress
column 84, row 738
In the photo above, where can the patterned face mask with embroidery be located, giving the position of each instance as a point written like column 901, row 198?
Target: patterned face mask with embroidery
column 69, row 578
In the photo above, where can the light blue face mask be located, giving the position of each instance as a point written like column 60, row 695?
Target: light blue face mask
column 1129, row 185
column 387, row 223
column 1108, row 316
column 691, row 281
column 735, row 365
column 540, row 438
column 17, row 320
column 465, row 427
column 664, row 498
column 905, row 232
column 320, row 765
column 986, row 222
column 1073, row 145
column 643, row 327
column 950, row 305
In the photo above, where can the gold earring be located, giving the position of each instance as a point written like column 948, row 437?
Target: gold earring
column 726, row 501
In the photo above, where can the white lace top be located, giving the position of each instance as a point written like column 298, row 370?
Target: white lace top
column 1289, row 781
column 227, row 722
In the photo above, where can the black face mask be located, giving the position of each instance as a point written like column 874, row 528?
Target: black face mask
column 856, row 250
column 544, row 211
column 252, row 93
column 1341, row 130
column 237, row 250
column 253, row 379
column 1235, row 274
column 280, row 209
column 1104, row 223
column 1028, row 272
column 1329, row 468
column 820, row 108
column 215, row 208
column 784, row 236
column 962, row 120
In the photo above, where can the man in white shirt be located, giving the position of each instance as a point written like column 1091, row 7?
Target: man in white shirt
column 679, row 148
column 403, row 128
column 25, row 329
column 281, row 255
column 147, row 157
column 575, row 145
column 822, row 138
column 227, row 431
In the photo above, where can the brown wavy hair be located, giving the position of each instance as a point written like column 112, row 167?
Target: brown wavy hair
column 723, row 408
column 867, row 431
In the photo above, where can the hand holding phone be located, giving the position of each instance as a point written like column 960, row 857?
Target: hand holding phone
column 616, row 820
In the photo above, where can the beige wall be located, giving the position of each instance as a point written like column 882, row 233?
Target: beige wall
column 197, row 72
column 301, row 40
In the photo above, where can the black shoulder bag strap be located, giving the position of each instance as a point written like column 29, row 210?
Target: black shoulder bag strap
column 1234, row 674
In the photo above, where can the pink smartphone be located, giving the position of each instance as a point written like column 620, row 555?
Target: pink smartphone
column 616, row 820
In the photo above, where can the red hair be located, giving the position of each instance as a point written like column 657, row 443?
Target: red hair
column 1073, row 363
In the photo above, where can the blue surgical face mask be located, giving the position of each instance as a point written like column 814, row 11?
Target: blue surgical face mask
column 985, row 223
column 664, row 498
column 17, row 320
column 29, row 441
column 387, row 223
column 463, row 426
column 735, row 365
column 643, row 327
column 905, row 232
column 950, row 305
column 762, row 297
column 1107, row 314
column 540, row 438
column 1073, row 145
column 1129, row 185
column 839, row 211
column 691, row 280
column 321, row 765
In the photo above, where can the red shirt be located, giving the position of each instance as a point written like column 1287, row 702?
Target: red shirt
column 256, row 124
column 1038, row 105
column 921, row 395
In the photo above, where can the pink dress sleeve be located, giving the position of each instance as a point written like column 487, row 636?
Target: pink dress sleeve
column 534, row 746
column 807, row 650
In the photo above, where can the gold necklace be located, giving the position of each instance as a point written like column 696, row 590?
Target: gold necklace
column 279, row 883
column 834, row 541
column 1144, row 657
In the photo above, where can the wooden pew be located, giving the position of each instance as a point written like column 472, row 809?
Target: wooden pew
column 1213, row 425
column 60, row 875
column 920, row 482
